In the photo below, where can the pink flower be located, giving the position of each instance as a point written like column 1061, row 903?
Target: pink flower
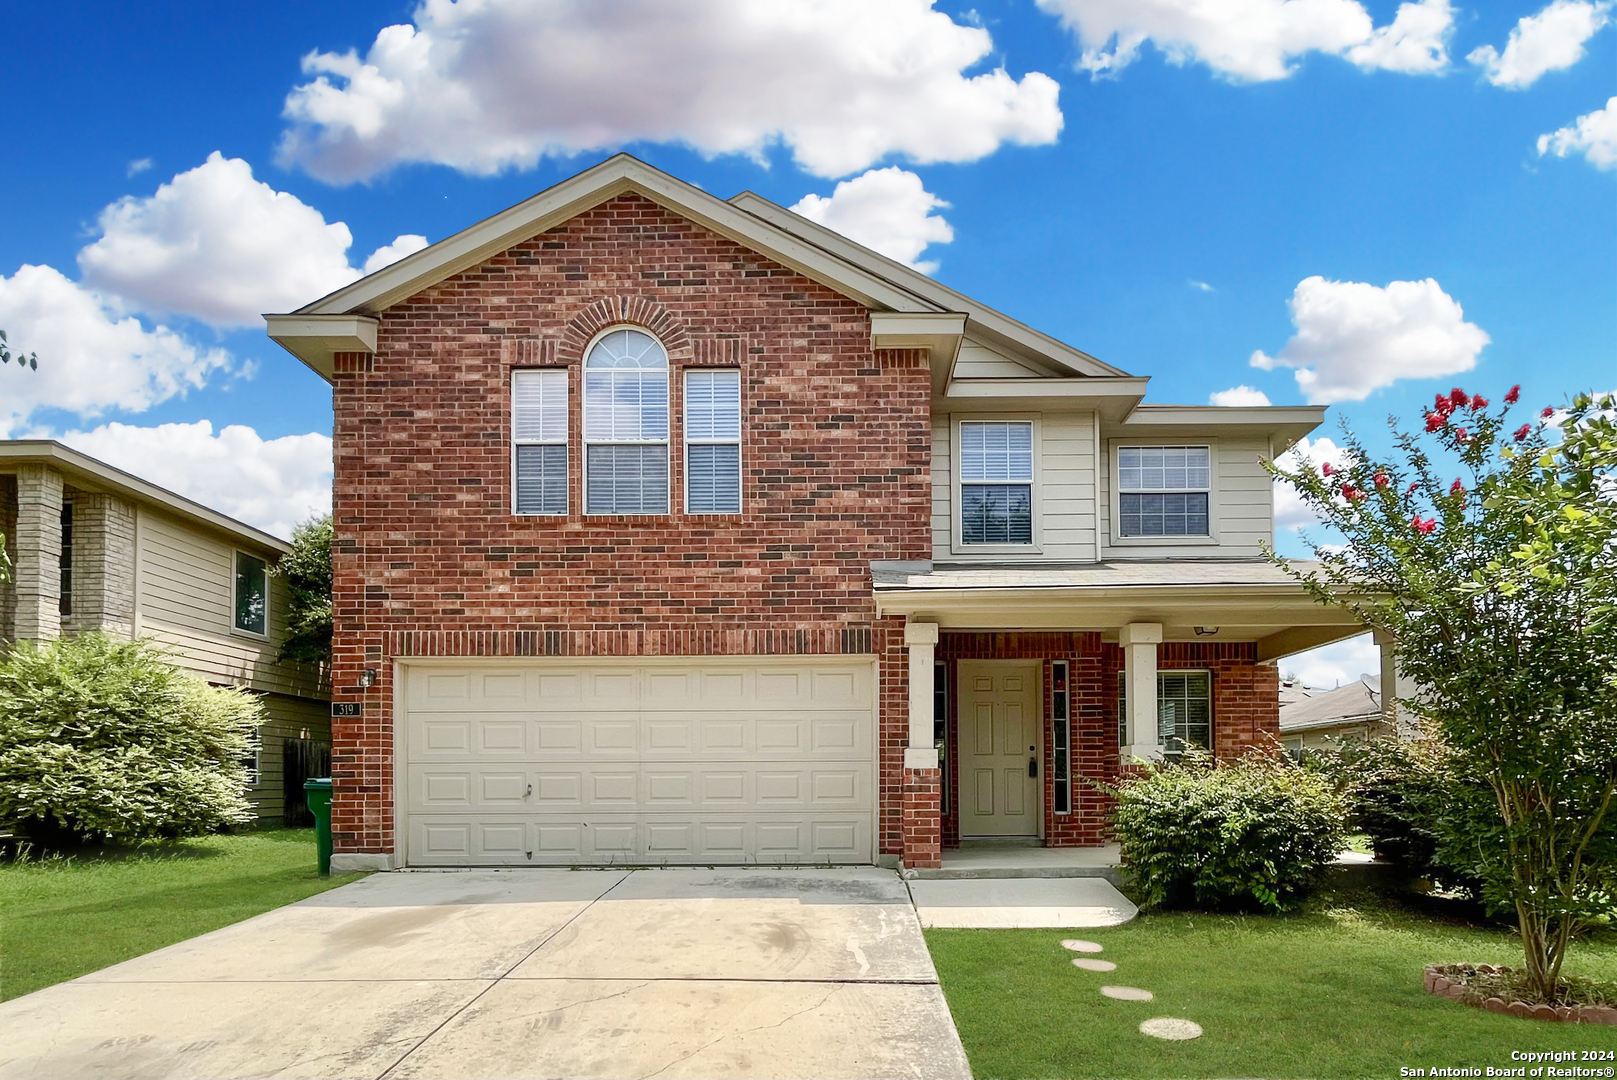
column 1523, row 431
column 1443, row 405
column 1413, row 484
column 1459, row 398
column 1478, row 403
column 1382, row 479
column 1511, row 395
column 1351, row 493
column 1435, row 420
column 1549, row 411
column 1456, row 488
column 1326, row 470
column 1462, row 435
column 1426, row 527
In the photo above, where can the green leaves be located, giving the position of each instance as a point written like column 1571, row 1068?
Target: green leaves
column 307, row 571
column 24, row 363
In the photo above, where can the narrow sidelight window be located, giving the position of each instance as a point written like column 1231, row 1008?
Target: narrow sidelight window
column 1163, row 490
column 1061, row 735
column 996, row 482
column 539, row 435
column 64, row 605
column 626, row 425
column 712, row 441
column 252, row 594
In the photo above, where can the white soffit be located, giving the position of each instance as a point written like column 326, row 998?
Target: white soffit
column 314, row 339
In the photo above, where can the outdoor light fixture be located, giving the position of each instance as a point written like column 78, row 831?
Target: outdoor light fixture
column 367, row 678
column 1206, row 631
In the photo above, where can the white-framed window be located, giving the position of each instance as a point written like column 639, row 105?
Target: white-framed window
column 1164, row 491
column 712, row 422
column 1184, row 710
column 251, row 594
column 539, row 441
column 996, row 482
column 626, row 424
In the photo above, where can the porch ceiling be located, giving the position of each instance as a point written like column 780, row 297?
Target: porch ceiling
column 1246, row 600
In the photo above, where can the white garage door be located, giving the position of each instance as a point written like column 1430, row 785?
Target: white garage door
column 553, row 762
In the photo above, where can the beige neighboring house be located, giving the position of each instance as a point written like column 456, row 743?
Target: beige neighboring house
column 1331, row 717
column 95, row 548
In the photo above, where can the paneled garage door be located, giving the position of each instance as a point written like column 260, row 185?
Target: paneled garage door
column 553, row 762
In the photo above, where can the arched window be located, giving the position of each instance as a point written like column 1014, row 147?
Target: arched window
column 626, row 425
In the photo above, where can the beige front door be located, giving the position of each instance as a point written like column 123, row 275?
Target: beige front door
column 1000, row 733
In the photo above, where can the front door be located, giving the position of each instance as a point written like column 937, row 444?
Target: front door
column 1000, row 736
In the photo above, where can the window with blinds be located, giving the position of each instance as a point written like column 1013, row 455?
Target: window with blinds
column 996, row 482
column 713, row 441
column 626, row 425
column 1163, row 490
column 1184, row 711
column 539, row 435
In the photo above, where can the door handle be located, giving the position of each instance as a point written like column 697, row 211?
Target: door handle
column 1033, row 766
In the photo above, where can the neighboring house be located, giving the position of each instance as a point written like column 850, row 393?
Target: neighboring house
column 94, row 548
column 1329, row 718
column 678, row 530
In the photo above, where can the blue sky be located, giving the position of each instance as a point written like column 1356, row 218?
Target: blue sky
column 1160, row 207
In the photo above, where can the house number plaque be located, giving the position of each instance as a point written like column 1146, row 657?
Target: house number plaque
column 347, row 708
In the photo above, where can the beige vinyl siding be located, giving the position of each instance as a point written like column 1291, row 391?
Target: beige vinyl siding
column 286, row 718
column 1242, row 504
column 980, row 362
column 1064, row 495
column 185, row 599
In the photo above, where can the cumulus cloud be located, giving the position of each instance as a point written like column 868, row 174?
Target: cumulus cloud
column 1290, row 510
column 269, row 483
column 1254, row 40
column 488, row 85
column 1594, row 135
column 1354, row 338
column 1337, row 664
column 1239, row 395
column 388, row 254
column 1549, row 41
column 217, row 245
column 887, row 210
column 93, row 358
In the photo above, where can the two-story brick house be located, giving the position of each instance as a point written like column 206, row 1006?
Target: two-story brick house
column 681, row 530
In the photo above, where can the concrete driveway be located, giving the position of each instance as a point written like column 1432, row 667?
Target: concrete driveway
column 525, row 973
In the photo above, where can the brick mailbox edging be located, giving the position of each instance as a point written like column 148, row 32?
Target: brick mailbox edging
column 1439, row 982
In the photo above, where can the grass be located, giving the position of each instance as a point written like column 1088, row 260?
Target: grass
column 66, row 915
column 1332, row 991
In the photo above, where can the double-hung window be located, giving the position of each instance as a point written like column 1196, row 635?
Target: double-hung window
column 1184, row 711
column 1163, row 490
column 539, row 431
column 713, row 441
column 626, row 425
column 996, row 482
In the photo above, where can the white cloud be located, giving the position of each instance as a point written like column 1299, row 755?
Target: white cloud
column 388, row 254
column 1337, row 664
column 269, row 483
column 1549, row 41
column 887, row 210
column 488, row 85
column 217, row 245
column 1353, row 338
column 1290, row 510
column 1254, row 40
column 1594, row 135
column 1200, row 286
column 1239, row 395
column 139, row 166
column 92, row 359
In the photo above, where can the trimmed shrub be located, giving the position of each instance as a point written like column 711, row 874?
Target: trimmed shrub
column 1252, row 833
column 104, row 739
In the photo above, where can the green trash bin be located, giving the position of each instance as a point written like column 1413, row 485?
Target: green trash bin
column 317, row 792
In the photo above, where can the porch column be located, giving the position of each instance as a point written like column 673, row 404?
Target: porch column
column 1140, row 641
column 1392, row 692
column 922, row 820
column 37, row 575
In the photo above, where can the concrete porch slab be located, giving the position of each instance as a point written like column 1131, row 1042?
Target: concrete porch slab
column 1012, row 860
column 1020, row 903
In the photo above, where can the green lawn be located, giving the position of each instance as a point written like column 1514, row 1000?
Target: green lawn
column 62, row 917
column 1331, row 992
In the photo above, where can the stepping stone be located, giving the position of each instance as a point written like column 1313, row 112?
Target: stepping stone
column 1127, row 993
column 1093, row 965
column 1165, row 1027
column 1080, row 946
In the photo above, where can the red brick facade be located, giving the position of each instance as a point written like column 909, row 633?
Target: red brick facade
column 429, row 559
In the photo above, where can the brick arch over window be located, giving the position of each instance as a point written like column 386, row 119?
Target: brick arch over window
column 635, row 310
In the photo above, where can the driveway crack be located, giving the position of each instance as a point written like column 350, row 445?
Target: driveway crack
column 747, row 1031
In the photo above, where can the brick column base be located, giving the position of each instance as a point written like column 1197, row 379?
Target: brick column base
column 923, row 822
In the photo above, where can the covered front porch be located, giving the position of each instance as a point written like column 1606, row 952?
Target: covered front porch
column 1031, row 688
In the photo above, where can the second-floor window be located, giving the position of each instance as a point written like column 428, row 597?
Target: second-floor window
column 996, row 482
column 713, row 441
column 539, row 432
column 626, row 425
column 1163, row 490
column 252, row 594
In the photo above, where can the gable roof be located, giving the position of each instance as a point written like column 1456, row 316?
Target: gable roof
column 874, row 280
column 82, row 470
column 1358, row 700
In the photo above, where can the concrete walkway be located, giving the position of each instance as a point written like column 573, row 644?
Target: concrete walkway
column 765, row 973
column 1020, row 902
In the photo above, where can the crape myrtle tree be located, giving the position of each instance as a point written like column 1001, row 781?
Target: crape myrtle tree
column 1489, row 553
